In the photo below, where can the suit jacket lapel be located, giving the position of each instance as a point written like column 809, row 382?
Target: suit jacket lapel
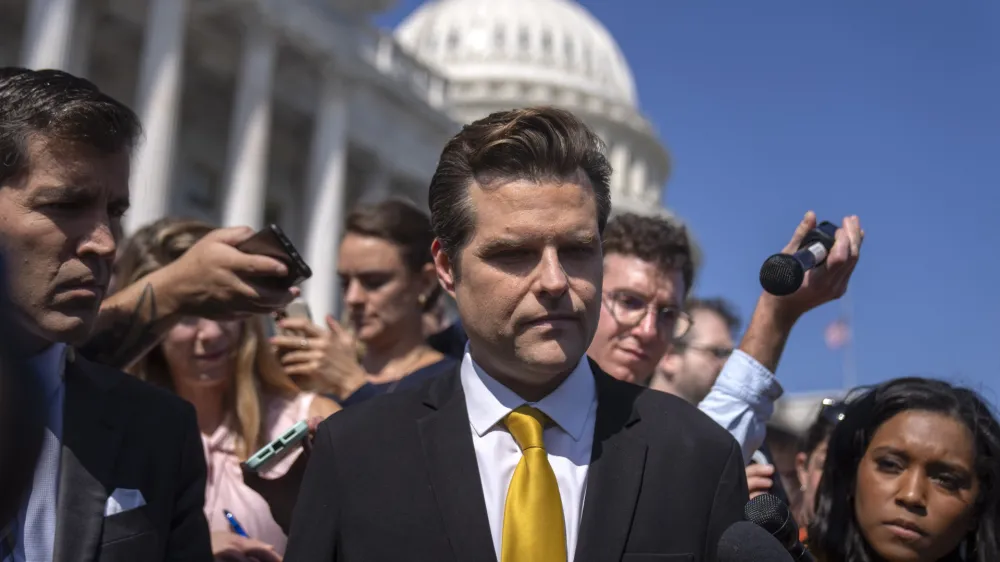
column 89, row 448
column 615, row 474
column 446, row 438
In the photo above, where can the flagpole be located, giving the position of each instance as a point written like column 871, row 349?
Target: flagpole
column 848, row 364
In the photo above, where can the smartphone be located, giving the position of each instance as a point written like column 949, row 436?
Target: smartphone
column 279, row 448
column 271, row 241
column 298, row 308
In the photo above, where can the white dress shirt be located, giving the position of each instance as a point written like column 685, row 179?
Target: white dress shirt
column 573, row 408
column 33, row 541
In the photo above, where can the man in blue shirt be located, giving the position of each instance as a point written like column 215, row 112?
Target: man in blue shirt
column 648, row 273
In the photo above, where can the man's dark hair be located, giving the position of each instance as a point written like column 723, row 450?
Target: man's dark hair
column 534, row 144
column 58, row 106
column 721, row 307
column 403, row 225
column 656, row 240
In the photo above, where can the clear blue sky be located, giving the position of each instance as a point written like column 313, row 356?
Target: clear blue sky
column 889, row 110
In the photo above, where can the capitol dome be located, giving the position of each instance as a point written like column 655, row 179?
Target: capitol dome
column 553, row 42
column 501, row 54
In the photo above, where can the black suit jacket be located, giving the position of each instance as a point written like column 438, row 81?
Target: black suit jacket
column 396, row 478
column 119, row 432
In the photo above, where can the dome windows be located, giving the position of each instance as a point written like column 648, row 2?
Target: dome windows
column 499, row 37
column 547, row 42
column 524, row 39
column 453, row 40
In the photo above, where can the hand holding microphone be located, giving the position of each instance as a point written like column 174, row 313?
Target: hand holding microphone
column 816, row 265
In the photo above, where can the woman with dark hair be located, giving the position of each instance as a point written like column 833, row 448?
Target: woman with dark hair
column 389, row 282
column 912, row 474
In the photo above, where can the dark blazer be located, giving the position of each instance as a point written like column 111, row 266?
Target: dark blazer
column 119, row 432
column 396, row 478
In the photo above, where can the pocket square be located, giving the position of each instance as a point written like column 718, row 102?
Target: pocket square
column 122, row 500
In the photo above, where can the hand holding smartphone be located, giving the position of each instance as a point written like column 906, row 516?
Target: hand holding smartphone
column 298, row 308
column 271, row 241
column 278, row 449
column 281, row 493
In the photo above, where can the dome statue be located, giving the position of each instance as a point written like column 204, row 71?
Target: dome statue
column 501, row 54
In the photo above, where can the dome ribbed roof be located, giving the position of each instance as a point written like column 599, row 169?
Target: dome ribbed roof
column 544, row 42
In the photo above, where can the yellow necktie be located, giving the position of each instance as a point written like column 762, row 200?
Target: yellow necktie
column 533, row 529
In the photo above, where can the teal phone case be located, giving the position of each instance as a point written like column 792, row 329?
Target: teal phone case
column 275, row 450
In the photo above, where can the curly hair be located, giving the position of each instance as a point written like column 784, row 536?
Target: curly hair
column 652, row 239
column 834, row 534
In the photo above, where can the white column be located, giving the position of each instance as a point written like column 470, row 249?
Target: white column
column 637, row 183
column 250, row 131
column 48, row 34
column 619, row 167
column 86, row 20
column 378, row 182
column 325, row 196
column 654, row 191
column 158, row 103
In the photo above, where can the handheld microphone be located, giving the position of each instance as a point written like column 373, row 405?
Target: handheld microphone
column 772, row 515
column 746, row 542
column 782, row 274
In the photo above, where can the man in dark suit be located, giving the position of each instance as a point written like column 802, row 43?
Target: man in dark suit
column 21, row 413
column 528, row 451
column 121, row 473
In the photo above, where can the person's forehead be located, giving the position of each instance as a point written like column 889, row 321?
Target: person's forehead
column 521, row 207
column 631, row 273
column 76, row 163
column 709, row 325
column 367, row 253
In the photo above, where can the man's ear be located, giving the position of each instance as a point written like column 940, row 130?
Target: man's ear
column 444, row 267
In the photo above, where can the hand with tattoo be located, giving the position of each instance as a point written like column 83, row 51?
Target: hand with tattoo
column 213, row 279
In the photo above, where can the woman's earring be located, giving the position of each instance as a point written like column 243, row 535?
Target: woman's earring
column 422, row 299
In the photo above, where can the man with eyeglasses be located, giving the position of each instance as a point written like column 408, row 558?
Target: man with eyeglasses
column 648, row 272
column 691, row 366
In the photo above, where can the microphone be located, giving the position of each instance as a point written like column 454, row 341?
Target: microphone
column 746, row 542
column 772, row 515
column 782, row 274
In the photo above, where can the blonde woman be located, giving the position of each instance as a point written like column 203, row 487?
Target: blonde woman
column 242, row 395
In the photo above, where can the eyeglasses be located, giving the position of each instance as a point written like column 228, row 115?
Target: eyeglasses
column 721, row 353
column 832, row 410
column 630, row 309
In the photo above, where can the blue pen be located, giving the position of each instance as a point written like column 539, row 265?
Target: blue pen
column 234, row 524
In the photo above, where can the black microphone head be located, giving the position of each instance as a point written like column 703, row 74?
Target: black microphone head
column 772, row 515
column 781, row 275
column 745, row 542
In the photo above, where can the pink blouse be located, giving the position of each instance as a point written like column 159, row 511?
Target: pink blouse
column 225, row 488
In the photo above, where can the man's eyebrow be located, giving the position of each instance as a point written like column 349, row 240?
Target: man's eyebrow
column 61, row 192
column 501, row 243
column 582, row 238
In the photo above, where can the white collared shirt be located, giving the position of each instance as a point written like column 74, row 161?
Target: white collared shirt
column 573, row 408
